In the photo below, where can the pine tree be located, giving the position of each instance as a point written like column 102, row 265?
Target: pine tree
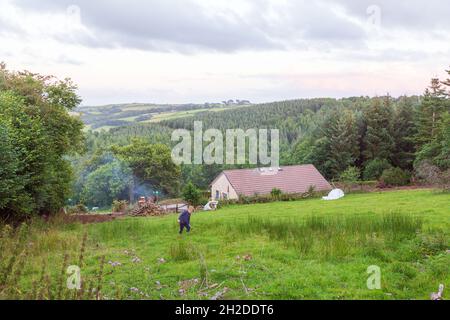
column 432, row 106
column 447, row 83
column 429, row 122
column 378, row 142
column 343, row 142
column 443, row 139
column 403, row 131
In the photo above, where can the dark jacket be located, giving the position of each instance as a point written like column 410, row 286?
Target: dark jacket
column 185, row 217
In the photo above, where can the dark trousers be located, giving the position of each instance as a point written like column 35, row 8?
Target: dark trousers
column 183, row 225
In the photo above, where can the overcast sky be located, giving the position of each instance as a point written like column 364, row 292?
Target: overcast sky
column 180, row 51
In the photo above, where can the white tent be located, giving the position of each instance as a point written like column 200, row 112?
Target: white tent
column 334, row 195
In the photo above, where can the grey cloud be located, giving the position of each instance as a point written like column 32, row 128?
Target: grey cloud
column 403, row 14
column 159, row 25
column 184, row 26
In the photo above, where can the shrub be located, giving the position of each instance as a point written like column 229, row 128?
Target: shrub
column 119, row 205
column 431, row 174
column 350, row 175
column 79, row 208
column 269, row 198
column 427, row 172
column 276, row 193
column 191, row 194
column 311, row 191
column 204, row 200
column 395, row 177
column 374, row 169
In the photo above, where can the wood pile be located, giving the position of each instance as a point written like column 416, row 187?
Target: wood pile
column 146, row 209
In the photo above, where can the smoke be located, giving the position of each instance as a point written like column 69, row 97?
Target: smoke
column 144, row 190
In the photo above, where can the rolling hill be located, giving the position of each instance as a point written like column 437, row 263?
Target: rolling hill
column 117, row 115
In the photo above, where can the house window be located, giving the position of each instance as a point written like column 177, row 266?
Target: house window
column 217, row 194
column 225, row 196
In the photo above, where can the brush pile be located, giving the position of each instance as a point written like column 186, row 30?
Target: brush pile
column 146, row 209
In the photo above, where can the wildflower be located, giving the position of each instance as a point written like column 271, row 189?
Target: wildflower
column 114, row 263
column 136, row 260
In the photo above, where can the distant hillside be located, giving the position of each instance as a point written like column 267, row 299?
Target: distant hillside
column 117, row 115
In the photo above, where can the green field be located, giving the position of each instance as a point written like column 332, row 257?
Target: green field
column 105, row 117
column 310, row 249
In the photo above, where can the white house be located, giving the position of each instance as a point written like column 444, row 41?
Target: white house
column 230, row 184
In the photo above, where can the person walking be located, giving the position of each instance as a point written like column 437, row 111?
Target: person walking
column 185, row 219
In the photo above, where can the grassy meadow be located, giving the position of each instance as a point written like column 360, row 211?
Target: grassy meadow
column 310, row 249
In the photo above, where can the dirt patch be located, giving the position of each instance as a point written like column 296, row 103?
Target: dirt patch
column 92, row 218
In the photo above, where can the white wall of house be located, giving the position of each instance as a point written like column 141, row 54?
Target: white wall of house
column 222, row 189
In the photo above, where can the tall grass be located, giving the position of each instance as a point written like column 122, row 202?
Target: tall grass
column 332, row 236
column 128, row 229
column 182, row 251
column 26, row 248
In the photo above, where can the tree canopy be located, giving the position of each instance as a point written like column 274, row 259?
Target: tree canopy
column 39, row 133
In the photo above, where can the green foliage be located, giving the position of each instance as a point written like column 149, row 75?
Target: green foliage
column 191, row 194
column 403, row 132
column 270, row 198
column 341, row 147
column 119, row 205
column 151, row 164
column 432, row 137
column 11, row 183
column 395, row 177
column 443, row 139
column 350, row 175
column 276, row 193
column 374, row 169
column 79, row 208
column 39, row 134
column 106, row 183
column 378, row 139
column 328, row 133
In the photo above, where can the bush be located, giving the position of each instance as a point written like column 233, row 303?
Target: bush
column 374, row 169
column 119, row 205
column 191, row 194
column 350, row 175
column 276, row 193
column 79, row 208
column 269, row 198
column 431, row 174
column 395, row 177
